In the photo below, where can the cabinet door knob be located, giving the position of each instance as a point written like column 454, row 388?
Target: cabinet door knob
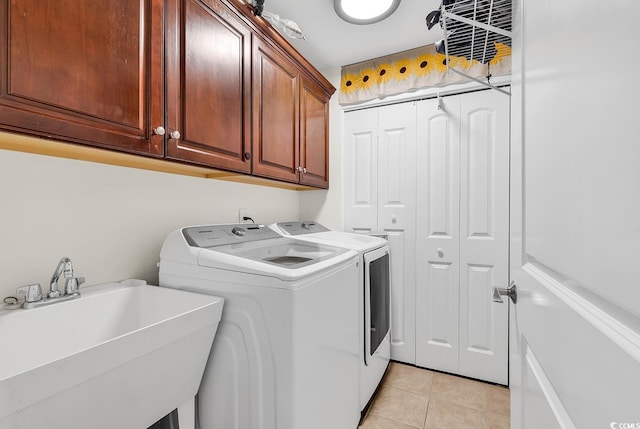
column 304, row 169
column 175, row 135
column 247, row 156
column 298, row 168
column 440, row 252
column 159, row 131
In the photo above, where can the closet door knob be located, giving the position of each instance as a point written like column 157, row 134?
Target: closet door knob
column 511, row 292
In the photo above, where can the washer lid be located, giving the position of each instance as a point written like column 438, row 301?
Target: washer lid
column 256, row 249
column 350, row 240
column 282, row 252
column 313, row 231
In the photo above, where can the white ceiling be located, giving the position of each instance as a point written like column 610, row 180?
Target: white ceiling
column 332, row 42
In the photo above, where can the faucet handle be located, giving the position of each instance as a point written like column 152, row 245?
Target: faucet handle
column 73, row 285
column 30, row 293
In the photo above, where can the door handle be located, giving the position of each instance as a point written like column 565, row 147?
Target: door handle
column 511, row 292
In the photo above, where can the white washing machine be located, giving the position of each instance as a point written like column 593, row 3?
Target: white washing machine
column 374, row 295
column 285, row 355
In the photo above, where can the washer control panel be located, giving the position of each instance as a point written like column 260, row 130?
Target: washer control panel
column 222, row 235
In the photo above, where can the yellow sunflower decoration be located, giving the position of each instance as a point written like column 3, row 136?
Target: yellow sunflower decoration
column 425, row 64
column 384, row 70
column 402, row 69
column 368, row 77
column 410, row 70
column 347, row 84
column 440, row 63
column 503, row 52
column 462, row 63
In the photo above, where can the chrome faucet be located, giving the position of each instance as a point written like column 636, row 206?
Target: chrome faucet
column 33, row 293
column 64, row 267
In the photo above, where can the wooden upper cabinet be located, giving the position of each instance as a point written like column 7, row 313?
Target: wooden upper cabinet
column 290, row 120
column 202, row 82
column 314, row 134
column 208, row 75
column 276, row 129
column 85, row 72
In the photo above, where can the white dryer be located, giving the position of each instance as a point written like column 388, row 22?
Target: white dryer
column 285, row 355
column 374, row 295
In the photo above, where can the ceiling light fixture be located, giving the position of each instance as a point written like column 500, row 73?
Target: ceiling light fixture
column 365, row 11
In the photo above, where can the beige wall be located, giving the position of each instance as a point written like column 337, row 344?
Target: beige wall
column 109, row 220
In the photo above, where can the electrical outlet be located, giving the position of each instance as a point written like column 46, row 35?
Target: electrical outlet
column 242, row 214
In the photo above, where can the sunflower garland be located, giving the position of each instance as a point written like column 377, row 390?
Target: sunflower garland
column 411, row 70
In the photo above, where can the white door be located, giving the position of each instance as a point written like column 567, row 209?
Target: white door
column 438, row 246
column 484, row 234
column 463, row 238
column 379, row 197
column 360, row 174
column 575, row 217
column 397, row 218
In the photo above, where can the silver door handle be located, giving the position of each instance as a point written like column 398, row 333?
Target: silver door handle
column 511, row 292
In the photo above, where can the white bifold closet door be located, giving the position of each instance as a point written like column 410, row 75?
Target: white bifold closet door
column 462, row 245
column 380, row 197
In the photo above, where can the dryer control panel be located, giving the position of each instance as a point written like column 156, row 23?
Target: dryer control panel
column 221, row 235
column 301, row 227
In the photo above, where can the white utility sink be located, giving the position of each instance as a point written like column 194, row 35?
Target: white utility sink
column 122, row 356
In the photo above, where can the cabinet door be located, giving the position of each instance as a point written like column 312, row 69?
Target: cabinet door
column 275, row 114
column 397, row 218
column 85, row 72
column 208, row 85
column 314, row 134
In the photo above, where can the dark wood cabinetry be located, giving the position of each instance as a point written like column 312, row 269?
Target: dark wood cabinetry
column 208, row 85
column 275, row 114
column 290, row 120
column 314, row 134
column 201, row 82
column 87, row 72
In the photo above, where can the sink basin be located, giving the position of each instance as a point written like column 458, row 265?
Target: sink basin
column 123, row 355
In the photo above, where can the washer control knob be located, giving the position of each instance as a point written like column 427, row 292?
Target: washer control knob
column 240, row 232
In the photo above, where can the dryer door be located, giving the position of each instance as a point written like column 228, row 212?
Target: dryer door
column 376, row 300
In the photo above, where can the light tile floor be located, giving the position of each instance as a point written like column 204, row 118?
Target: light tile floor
column 411, row 397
